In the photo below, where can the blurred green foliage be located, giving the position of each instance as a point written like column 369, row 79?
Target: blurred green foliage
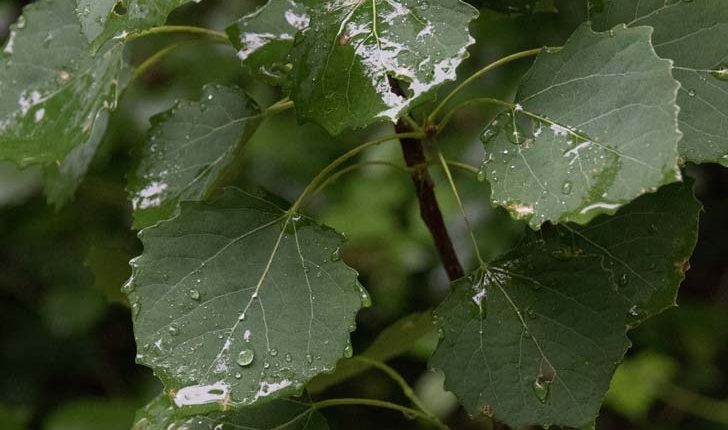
column 66, row 345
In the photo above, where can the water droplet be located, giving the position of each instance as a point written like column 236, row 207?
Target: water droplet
column 336, row 255
column 721, row 71
column 490, row 132
column 266, row 365
column 531, row 313
column 481, row 175
column 173, row 330
column 352, row 327
column 423, row 5
column 723, row 160
column 289, row 358
column 623, row 280
column 348, row 351
column 127, row 288
column 514, row 132
column 541, row 389
column 273, row 352
column 566, row 188
column 193, row 293
column 309, row 358
column 366, row 299
column 691, row 92
column 20, row 23
column 135, row 308
column 246, row 356
column 238, row 375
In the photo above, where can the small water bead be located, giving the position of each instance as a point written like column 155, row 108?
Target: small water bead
column 309, row 358
column 336, row 255
column 514, row 132
column 193, row 293
column 173, row 330
column 238, row 375
column 566, row 188
column 127, row 288
column 541, row 389
column 691, row 92
column 348, row 351
column 423, row 5
column 266, row 365
column 490, row 132
column 289, row 358
column 366, row 299
column 135, row 308
column 723, row 161
column 531, row 313
column 721, row 71
column 623, row 280
column 246, row 356
column 273, row 352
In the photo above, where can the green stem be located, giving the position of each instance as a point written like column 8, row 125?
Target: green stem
column 153, row 59
column 696, row 404
column 396, row 377
column 277, row 107
column 166, row 29
column 488, row 100
column 356, row 166
column 313, row 185
column 380, row 404
column 448, row 174
column 484, row 70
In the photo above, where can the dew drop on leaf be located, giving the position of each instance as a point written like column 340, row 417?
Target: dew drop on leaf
column 566, row 188
column 541, row 390
column 366, row 299
column 193, row 293
column 490, row 132
column 348, row 351
column 721, row 71
column 289, row 358
column 173, row 330
column 623, row 280
column 246, row 356
column 691, row 92
column 336, row 255
column 531, row 313
column 273, row 352
column 723, row 160
column 135, row 308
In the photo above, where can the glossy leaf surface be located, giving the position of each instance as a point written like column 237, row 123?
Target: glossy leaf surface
column 235, row 303
column 587, row 134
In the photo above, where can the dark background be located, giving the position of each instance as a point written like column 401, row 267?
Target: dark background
column 66, row 343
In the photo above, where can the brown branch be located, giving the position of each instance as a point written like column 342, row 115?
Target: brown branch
column 414, row 156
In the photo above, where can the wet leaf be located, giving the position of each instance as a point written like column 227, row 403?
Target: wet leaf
column 234, row 303
column 189, row 150
column 587, row 135
column 344, row 61
column 535, row 337
column 51, row 88
column 693, row 35
column 265, row 37
column 284, row 414
column 62, row 69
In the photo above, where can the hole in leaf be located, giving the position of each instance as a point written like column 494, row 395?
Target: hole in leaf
column 120, row 8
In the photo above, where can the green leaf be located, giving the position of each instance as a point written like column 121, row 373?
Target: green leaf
column 535, row 337
column 235, row 302
column 264, row 38
column 61, row 181
column 587, row 134
column 392, row 342
column 283, row 414
column 51, row 88
column 693, row 35
column 646, row 247
column 343, row 63
column 107, row 20
column 189, row 149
